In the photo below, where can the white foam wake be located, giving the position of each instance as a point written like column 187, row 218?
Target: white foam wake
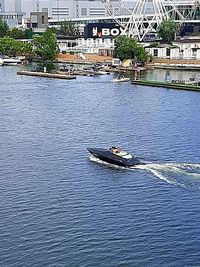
column 185, row 175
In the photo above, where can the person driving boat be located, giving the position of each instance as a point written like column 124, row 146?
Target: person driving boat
column 115, row 150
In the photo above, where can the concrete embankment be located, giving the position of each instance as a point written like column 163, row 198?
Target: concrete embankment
column 175, row 64
column 188, row 87
column 47, row 75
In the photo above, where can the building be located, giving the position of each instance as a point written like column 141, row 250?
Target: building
column 137, row 17
column 2, row 6
column 65, row 9
column 10, row 11
column 183, row 49
column 12, row 5
column 38, row 20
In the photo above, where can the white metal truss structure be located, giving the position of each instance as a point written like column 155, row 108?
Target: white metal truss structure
column 118, row 10
column 183, row 10
column 146, row 15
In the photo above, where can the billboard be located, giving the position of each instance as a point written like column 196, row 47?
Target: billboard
column 102, row 30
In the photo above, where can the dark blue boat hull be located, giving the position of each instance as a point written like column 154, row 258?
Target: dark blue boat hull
column 109, row 157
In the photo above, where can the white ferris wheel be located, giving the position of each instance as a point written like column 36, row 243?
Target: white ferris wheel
column 143, row 16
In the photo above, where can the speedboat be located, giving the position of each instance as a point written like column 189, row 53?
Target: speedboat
column 121, row 79
column 114, row 155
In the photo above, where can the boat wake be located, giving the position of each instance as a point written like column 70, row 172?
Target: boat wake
column 185, row 175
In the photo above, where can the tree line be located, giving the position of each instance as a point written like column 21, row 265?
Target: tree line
column 43, row 46
column 66, row 28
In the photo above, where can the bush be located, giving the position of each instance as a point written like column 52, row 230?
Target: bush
column 154, row 44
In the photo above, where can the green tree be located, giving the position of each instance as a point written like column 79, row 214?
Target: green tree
column 26, row 49
column 16, row 33
column 12, row 47
column 128, row 48
column 28, row 33
column 3, row 28
column 167, row 30
column 45, row 46
column 68, row 28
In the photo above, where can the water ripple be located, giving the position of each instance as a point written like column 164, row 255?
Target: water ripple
column 60, row 209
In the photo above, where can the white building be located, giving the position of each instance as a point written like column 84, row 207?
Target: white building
column 10, row 11
column 2, row 6
column 12, row 5
column 164, row 52
column 60, row 9
column 67, row 9
column 187, row 49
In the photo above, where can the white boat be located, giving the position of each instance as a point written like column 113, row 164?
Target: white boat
column 121, row 79
column 1, row 62
column 11, row 61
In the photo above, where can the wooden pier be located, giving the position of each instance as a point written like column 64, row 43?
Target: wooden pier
column 180, row 86
column 47, row 75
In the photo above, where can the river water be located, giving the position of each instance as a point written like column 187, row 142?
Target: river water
column 60, row 207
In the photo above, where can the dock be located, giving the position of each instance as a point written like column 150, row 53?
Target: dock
column 180, row 86
column 47, row 75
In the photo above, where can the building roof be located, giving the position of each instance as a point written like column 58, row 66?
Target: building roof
column 188, row 40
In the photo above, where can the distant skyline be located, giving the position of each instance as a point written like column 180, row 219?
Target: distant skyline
column 61, row 9
column 10, row 5
column 65, row 7
column 32, row 5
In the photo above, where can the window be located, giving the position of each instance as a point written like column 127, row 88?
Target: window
column 42, row 19
column 168, row 52
column 155, row 52
column 84, row 11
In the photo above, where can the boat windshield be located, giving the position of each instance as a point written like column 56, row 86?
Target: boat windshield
column 119, row 152
column 115, row 149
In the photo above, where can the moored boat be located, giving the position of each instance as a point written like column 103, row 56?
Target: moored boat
column 11, row 61
column 1, row 62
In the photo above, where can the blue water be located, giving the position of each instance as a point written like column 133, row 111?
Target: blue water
column 59, row 207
